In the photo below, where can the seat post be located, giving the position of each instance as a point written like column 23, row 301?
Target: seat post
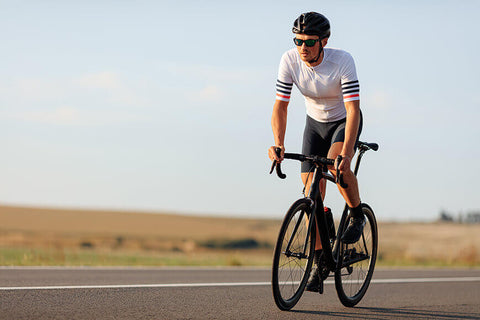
column 359, row 158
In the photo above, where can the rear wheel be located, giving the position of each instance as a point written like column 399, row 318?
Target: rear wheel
column 358, row 262
column 293, row 256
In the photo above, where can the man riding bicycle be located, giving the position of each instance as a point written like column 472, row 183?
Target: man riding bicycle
column 328, row 80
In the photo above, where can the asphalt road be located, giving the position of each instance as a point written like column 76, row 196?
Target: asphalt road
column 226, row 293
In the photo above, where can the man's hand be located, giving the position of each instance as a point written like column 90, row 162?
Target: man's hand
column 345, row 164
column 273, row 155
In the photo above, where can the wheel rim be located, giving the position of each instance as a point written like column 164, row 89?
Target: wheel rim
column 291, row 264
column 355, row 277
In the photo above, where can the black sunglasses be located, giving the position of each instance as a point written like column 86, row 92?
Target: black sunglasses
column 308, row 42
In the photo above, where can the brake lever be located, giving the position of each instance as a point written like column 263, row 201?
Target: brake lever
column 273, row 166
column 339, row 179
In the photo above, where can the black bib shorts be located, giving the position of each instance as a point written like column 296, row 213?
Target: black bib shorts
column 318, row 137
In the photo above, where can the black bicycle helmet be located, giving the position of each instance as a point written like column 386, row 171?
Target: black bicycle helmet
column 312, row 23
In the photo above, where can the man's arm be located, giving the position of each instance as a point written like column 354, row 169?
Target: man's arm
column 351, row 129
column 279, row 126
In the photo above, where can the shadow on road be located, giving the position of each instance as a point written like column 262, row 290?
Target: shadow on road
column 396, row 313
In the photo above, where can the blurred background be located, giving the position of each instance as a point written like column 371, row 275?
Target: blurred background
column 160, row 106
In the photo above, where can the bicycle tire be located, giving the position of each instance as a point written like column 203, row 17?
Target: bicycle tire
column 353, row 278
column 290, row 272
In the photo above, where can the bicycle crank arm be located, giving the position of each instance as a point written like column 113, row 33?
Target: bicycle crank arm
column 355, row 260
column 295, row 254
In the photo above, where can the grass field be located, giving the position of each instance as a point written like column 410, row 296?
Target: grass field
column 36, row 236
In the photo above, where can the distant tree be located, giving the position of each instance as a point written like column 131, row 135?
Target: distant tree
column 473, row 217
column 445, row 216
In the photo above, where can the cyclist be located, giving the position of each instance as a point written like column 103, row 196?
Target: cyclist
column 328, row 80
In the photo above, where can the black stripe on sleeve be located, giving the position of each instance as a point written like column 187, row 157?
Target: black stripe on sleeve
column 351, row 86
column 285, row 84
column 350, row 82
column 351, row 91
column 286, row 92
column 284, row 87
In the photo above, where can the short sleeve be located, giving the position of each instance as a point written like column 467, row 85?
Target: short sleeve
column 284, row 80
column 350, row 85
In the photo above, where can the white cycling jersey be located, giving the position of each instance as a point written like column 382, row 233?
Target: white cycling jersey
column 325, row 87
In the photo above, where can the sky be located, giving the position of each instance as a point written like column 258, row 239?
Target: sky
column 165, row 105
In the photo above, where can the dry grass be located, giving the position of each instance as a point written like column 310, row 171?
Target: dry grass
column 430, row 243
column 35, row 236
column 167, row 226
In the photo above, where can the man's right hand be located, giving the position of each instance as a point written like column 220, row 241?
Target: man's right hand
column 273, row 155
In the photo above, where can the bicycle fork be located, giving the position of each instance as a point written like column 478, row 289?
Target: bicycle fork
column 300, row 255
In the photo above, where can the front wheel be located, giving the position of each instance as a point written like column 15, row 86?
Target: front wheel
column 293, row 257
column 357, row 262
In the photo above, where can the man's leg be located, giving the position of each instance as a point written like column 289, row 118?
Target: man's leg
column 314, row 143
column 351, row 193
column 315, row 283
column 307, row 181
column 351, row 196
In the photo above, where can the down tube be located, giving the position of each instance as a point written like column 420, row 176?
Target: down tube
column 320, row 218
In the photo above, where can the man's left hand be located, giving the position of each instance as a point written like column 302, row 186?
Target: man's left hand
column 345, row 164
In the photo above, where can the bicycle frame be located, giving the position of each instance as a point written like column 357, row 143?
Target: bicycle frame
column 306, row 217
column 331, row 254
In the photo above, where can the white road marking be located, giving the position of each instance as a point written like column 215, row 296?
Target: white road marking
column 135, row 268
column 235, row 284
column 161, row 285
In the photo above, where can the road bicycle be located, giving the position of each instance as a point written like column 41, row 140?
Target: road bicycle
column 351, row 264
